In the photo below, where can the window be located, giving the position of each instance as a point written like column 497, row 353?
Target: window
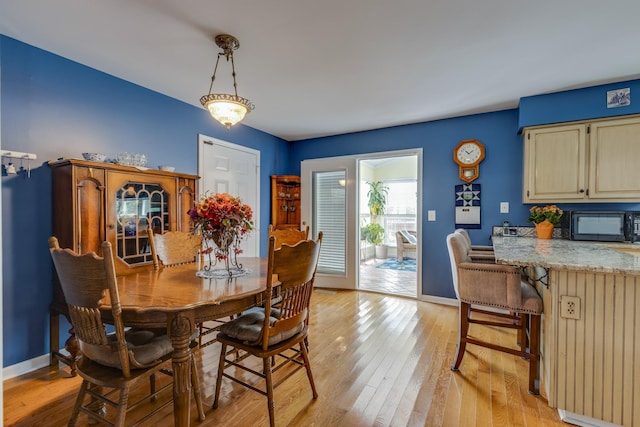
column 329, row 210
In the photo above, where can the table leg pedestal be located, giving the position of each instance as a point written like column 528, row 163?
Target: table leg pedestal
column 181, row 327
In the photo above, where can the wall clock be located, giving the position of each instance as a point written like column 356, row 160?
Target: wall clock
column 468, row 154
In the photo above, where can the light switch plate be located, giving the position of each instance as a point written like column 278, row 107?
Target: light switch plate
column 431, row 215
column 504, row 207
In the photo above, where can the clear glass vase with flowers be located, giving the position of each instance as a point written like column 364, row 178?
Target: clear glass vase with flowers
column 545, row 219
column 223, row 221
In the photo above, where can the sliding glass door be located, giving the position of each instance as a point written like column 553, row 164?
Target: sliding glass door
column 330, row 203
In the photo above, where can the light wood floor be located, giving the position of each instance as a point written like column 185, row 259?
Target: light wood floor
column 394, row 282
column 377, row 361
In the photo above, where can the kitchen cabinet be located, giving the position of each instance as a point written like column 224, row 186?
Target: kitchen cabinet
column 94, row 202
column 583, row 162
column 285, row 201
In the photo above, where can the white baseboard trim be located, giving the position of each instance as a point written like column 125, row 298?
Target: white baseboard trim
column 581, row 420
column 440, row 300
column 25, row 366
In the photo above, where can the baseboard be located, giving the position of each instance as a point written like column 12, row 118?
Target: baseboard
column 582, row 420
column 440, row 300
column 25, row 367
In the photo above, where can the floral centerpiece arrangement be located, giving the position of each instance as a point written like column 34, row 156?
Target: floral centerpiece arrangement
column 544, row 219
column 225, row 220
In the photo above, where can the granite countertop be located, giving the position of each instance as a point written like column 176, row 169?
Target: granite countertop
column 568, row 254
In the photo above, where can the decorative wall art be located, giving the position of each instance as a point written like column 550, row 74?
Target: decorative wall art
column 468, row 206
column 619, row 98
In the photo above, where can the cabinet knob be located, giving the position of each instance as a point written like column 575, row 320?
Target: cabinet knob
column 111, row 226
column 581, row 190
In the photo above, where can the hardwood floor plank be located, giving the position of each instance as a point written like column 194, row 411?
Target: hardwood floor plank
column 377, row 360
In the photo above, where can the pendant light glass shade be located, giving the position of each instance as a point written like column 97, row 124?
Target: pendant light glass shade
column 225, row 108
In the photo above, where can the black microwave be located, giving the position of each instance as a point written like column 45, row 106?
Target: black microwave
column 604, row 226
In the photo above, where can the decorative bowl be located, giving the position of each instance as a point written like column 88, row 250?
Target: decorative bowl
column 94, row 157
column 166, row 168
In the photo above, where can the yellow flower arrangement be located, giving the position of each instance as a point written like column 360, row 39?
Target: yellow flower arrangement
column 550, row 213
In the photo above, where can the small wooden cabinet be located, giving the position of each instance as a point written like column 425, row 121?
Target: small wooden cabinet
column 591, row 161
column 285, row 201
column 94, row 202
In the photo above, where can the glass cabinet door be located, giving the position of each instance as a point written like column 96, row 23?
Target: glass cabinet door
column 137, row 205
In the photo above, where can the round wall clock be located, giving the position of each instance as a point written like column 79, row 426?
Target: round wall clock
column 468, row 154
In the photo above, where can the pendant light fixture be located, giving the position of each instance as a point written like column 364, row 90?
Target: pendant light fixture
column 225, row 108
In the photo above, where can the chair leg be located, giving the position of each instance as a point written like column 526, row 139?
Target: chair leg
column 534, row 350
column 152, row 387
column 522, row 331
column 78, row 404
column 307, row 365
column 195, row 385
column 266, row 366
column 223, row 351
column 463, row 329
column 95, row 406
column 122, row 407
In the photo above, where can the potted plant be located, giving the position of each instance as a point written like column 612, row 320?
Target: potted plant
column 377, row 202
column 545, row 219
column 374, row 234
column 377, row 198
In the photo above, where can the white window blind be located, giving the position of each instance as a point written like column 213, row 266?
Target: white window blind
column 329, row 216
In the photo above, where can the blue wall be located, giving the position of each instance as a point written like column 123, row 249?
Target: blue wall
column 500, row 177
column 578, row 104
column 55, row 108
column 58, row 108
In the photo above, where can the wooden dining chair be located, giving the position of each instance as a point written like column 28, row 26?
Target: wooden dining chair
column 289, row 236
column 110, row 362
column 267, row 332
column 502, row 298
column 175, row 248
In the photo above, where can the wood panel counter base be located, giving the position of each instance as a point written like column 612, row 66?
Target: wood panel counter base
column 590, row 329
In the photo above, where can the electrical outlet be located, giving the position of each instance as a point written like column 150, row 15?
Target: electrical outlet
column 504, row 207
column 570, row 307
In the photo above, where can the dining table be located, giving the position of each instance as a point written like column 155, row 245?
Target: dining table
column 178, row 299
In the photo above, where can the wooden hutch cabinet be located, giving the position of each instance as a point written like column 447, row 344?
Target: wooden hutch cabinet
column 94, row 202
column 285, row 201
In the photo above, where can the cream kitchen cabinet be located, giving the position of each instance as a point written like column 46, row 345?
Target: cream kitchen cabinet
column 594, row 161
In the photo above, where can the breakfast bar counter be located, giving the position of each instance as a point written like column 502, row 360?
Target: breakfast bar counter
column 620, row 258
column 591, row 325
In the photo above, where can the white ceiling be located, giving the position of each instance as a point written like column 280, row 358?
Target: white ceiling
column 325, row 67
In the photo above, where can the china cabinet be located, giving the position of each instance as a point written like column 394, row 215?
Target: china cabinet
column 94, row 202
column 592, row 161
column 285, row 201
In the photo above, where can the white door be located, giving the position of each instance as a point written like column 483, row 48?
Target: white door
column 329, row 204
column 229, row 168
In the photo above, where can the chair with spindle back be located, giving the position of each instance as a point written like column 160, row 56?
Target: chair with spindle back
column 289, row 236
column 268, row 333
column 175, row 248
column 114, row 361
